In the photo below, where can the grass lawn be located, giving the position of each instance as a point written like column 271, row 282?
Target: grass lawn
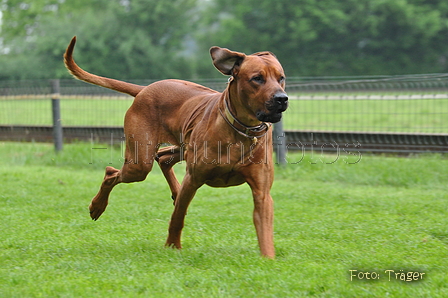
column 370, row 115
column 74, row 112
column 382, row 213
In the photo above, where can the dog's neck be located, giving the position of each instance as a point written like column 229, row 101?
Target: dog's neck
column 238, row 109
column 252, row 132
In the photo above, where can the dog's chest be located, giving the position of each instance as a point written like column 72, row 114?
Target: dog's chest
column 225, row 179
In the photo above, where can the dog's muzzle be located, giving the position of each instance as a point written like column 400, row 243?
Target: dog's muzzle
column 275, row 106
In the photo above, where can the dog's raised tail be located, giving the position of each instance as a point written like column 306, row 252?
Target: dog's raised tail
column 83, row 75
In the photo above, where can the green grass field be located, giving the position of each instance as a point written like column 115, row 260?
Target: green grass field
column 382, row 213
column 366, row 115
column 360, row 115
column 74, row 112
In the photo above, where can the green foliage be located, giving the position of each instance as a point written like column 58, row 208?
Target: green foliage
column 334, row 37
column 157, row 39
column 124, row 40
column 383, row 213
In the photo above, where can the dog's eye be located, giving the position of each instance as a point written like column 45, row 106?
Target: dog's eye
column 258, row 79
column 282, row 80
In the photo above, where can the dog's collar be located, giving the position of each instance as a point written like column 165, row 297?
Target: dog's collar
column 251, row 132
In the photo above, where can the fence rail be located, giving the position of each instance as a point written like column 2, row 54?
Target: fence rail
column 73, row 87
column 304, row 141
column 412, row 83
column 415, row 83
column 383, row 106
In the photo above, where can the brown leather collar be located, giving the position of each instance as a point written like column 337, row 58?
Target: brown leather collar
column 251, row 132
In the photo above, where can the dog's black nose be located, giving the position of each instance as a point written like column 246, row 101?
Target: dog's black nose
column 281, row 98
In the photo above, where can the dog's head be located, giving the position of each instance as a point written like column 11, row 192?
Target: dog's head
column 260, row 81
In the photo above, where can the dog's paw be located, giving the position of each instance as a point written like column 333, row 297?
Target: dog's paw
column 96, row 209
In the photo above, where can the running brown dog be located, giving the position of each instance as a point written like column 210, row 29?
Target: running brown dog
column 225, row 138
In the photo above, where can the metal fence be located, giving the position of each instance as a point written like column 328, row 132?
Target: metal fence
column 404, row 104
column 28, row 103
column 362, row 106
column 394, row 104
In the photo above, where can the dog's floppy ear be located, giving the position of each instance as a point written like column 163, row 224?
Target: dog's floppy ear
column 226, row 61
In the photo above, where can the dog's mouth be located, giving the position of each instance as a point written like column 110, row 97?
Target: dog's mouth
column 275, row 109
column 269, row 117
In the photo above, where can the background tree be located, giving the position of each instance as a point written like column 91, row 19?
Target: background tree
column 153, row 39
column 337, row 37
column 122, row 39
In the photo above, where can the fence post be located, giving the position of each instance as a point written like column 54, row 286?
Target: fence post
column 56, row 107
column 279, row 142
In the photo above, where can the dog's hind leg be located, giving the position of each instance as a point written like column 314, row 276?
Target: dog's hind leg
column 167, row 157
column 139, row 159
column 100, row 201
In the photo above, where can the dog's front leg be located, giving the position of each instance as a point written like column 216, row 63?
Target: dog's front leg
column 264, row 222
column 186, row 193
column 260, row 181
